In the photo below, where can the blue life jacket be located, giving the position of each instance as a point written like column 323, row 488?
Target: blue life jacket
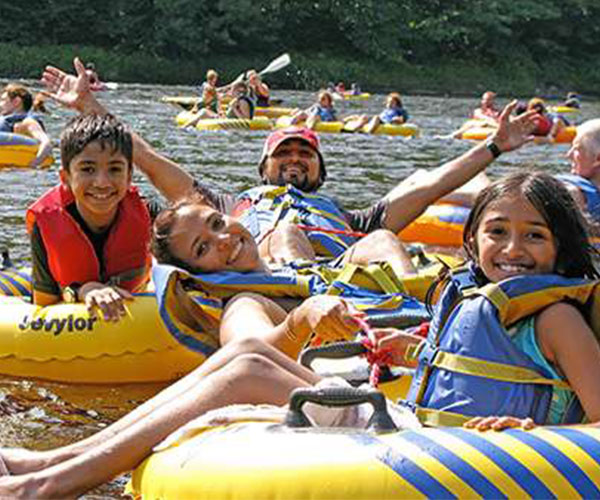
column 590, row 192
column 326, row 114
column 260, row 209
column 374, row 289
column 388, row 114
column 468, row 366
column 8, row 122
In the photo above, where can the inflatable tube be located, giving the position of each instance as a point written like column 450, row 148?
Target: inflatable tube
column 477, row 133
column 257, row 123
column 439, row 225
column 273, row 111
column 326, row 127
column 63, row 343
column 404, row 129
column 566, row 135
column 346, row 96
column 563, row 109
column 17, row 150
column 266, row 460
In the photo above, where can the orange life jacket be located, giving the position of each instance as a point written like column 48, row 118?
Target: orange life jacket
column 71, row 255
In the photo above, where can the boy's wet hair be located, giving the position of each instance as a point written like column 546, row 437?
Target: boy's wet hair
column 160, row 244
column 15, row 90
column 558, row 208
column 106, row 129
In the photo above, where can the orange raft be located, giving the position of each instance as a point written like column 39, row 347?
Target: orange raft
column 439, row 225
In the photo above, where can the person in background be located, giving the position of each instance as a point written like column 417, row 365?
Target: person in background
column 487, row 110
column 322, row 111
column 393, row 113
column 572, row 100
column 547, row 126
column 209, row 97
column 16, row 116
column 241, row 105
column 258, row 90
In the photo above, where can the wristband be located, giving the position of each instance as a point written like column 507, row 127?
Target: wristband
column 493, row 148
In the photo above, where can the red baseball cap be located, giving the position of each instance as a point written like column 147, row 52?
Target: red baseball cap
column 278, row 137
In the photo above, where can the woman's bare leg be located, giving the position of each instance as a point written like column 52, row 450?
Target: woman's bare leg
column 248, row 378
column 20, row 461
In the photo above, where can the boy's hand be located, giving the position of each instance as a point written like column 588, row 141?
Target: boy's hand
column 499, row 423
column 109, row 299
column 72, row 91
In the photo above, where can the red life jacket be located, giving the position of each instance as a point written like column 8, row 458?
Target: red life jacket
column 71, row 255
column 543, row 125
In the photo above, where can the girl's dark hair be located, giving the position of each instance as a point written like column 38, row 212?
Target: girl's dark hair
column 106, row 129
column 160, row 244
column 558, row 208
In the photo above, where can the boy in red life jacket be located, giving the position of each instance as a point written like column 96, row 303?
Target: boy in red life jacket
column 90, row 234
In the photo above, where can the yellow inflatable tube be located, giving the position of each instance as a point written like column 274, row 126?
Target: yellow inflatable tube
column 256, row 123
column 326, row 127
column 63, row 343
column 272, row 111
column 17, row 150
column 441, row 225
column 263, row 460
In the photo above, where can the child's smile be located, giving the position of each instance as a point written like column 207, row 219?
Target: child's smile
column 99, row 179
column 513, row 239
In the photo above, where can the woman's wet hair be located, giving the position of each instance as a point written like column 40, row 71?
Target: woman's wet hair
column 396, row 97
column 84, row 129
column 559, row 210
column 162, row 229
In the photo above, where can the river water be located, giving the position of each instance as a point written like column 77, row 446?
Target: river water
column 361, row 169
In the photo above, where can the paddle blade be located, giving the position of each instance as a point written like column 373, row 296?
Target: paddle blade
column 281, row 62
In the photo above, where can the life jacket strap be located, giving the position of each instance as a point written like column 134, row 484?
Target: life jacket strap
column 438, row 418
column 488, row 369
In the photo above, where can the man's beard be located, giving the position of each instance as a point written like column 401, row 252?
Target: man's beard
column 302, row 183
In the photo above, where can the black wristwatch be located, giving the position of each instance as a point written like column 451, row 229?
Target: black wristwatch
column 493, row 148
column 70, row 294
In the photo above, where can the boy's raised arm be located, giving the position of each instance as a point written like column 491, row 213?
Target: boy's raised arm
column 73, row 91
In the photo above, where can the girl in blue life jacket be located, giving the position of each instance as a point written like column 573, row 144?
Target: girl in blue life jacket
column 527, row 244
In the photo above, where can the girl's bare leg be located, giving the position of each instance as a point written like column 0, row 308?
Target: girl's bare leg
column 19, row 461
column 249, row 378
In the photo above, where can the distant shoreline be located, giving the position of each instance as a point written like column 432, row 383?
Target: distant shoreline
column 448, row 77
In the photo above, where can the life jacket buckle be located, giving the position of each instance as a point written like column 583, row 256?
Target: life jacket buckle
column 427, row 352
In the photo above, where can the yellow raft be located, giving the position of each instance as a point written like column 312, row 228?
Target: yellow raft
column 256, row 123
column 564, row 136
column 439, row 225
column 348, row 96
column 404, row 129
column 324, row 127
column 563, row 109
column 263, row 460
column 17, row 150
column 273, row 111
column 63, row 343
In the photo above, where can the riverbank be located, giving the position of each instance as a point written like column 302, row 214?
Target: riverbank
column 519, row 76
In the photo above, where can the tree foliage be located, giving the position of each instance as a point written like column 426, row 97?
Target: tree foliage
column 419, row 32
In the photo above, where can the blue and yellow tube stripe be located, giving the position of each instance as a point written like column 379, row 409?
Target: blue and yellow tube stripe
column 453, row 462
column 15, row 283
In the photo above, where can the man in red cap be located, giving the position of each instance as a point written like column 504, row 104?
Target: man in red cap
column 292, row 170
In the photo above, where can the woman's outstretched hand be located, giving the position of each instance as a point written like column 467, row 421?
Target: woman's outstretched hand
column 328, row 317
